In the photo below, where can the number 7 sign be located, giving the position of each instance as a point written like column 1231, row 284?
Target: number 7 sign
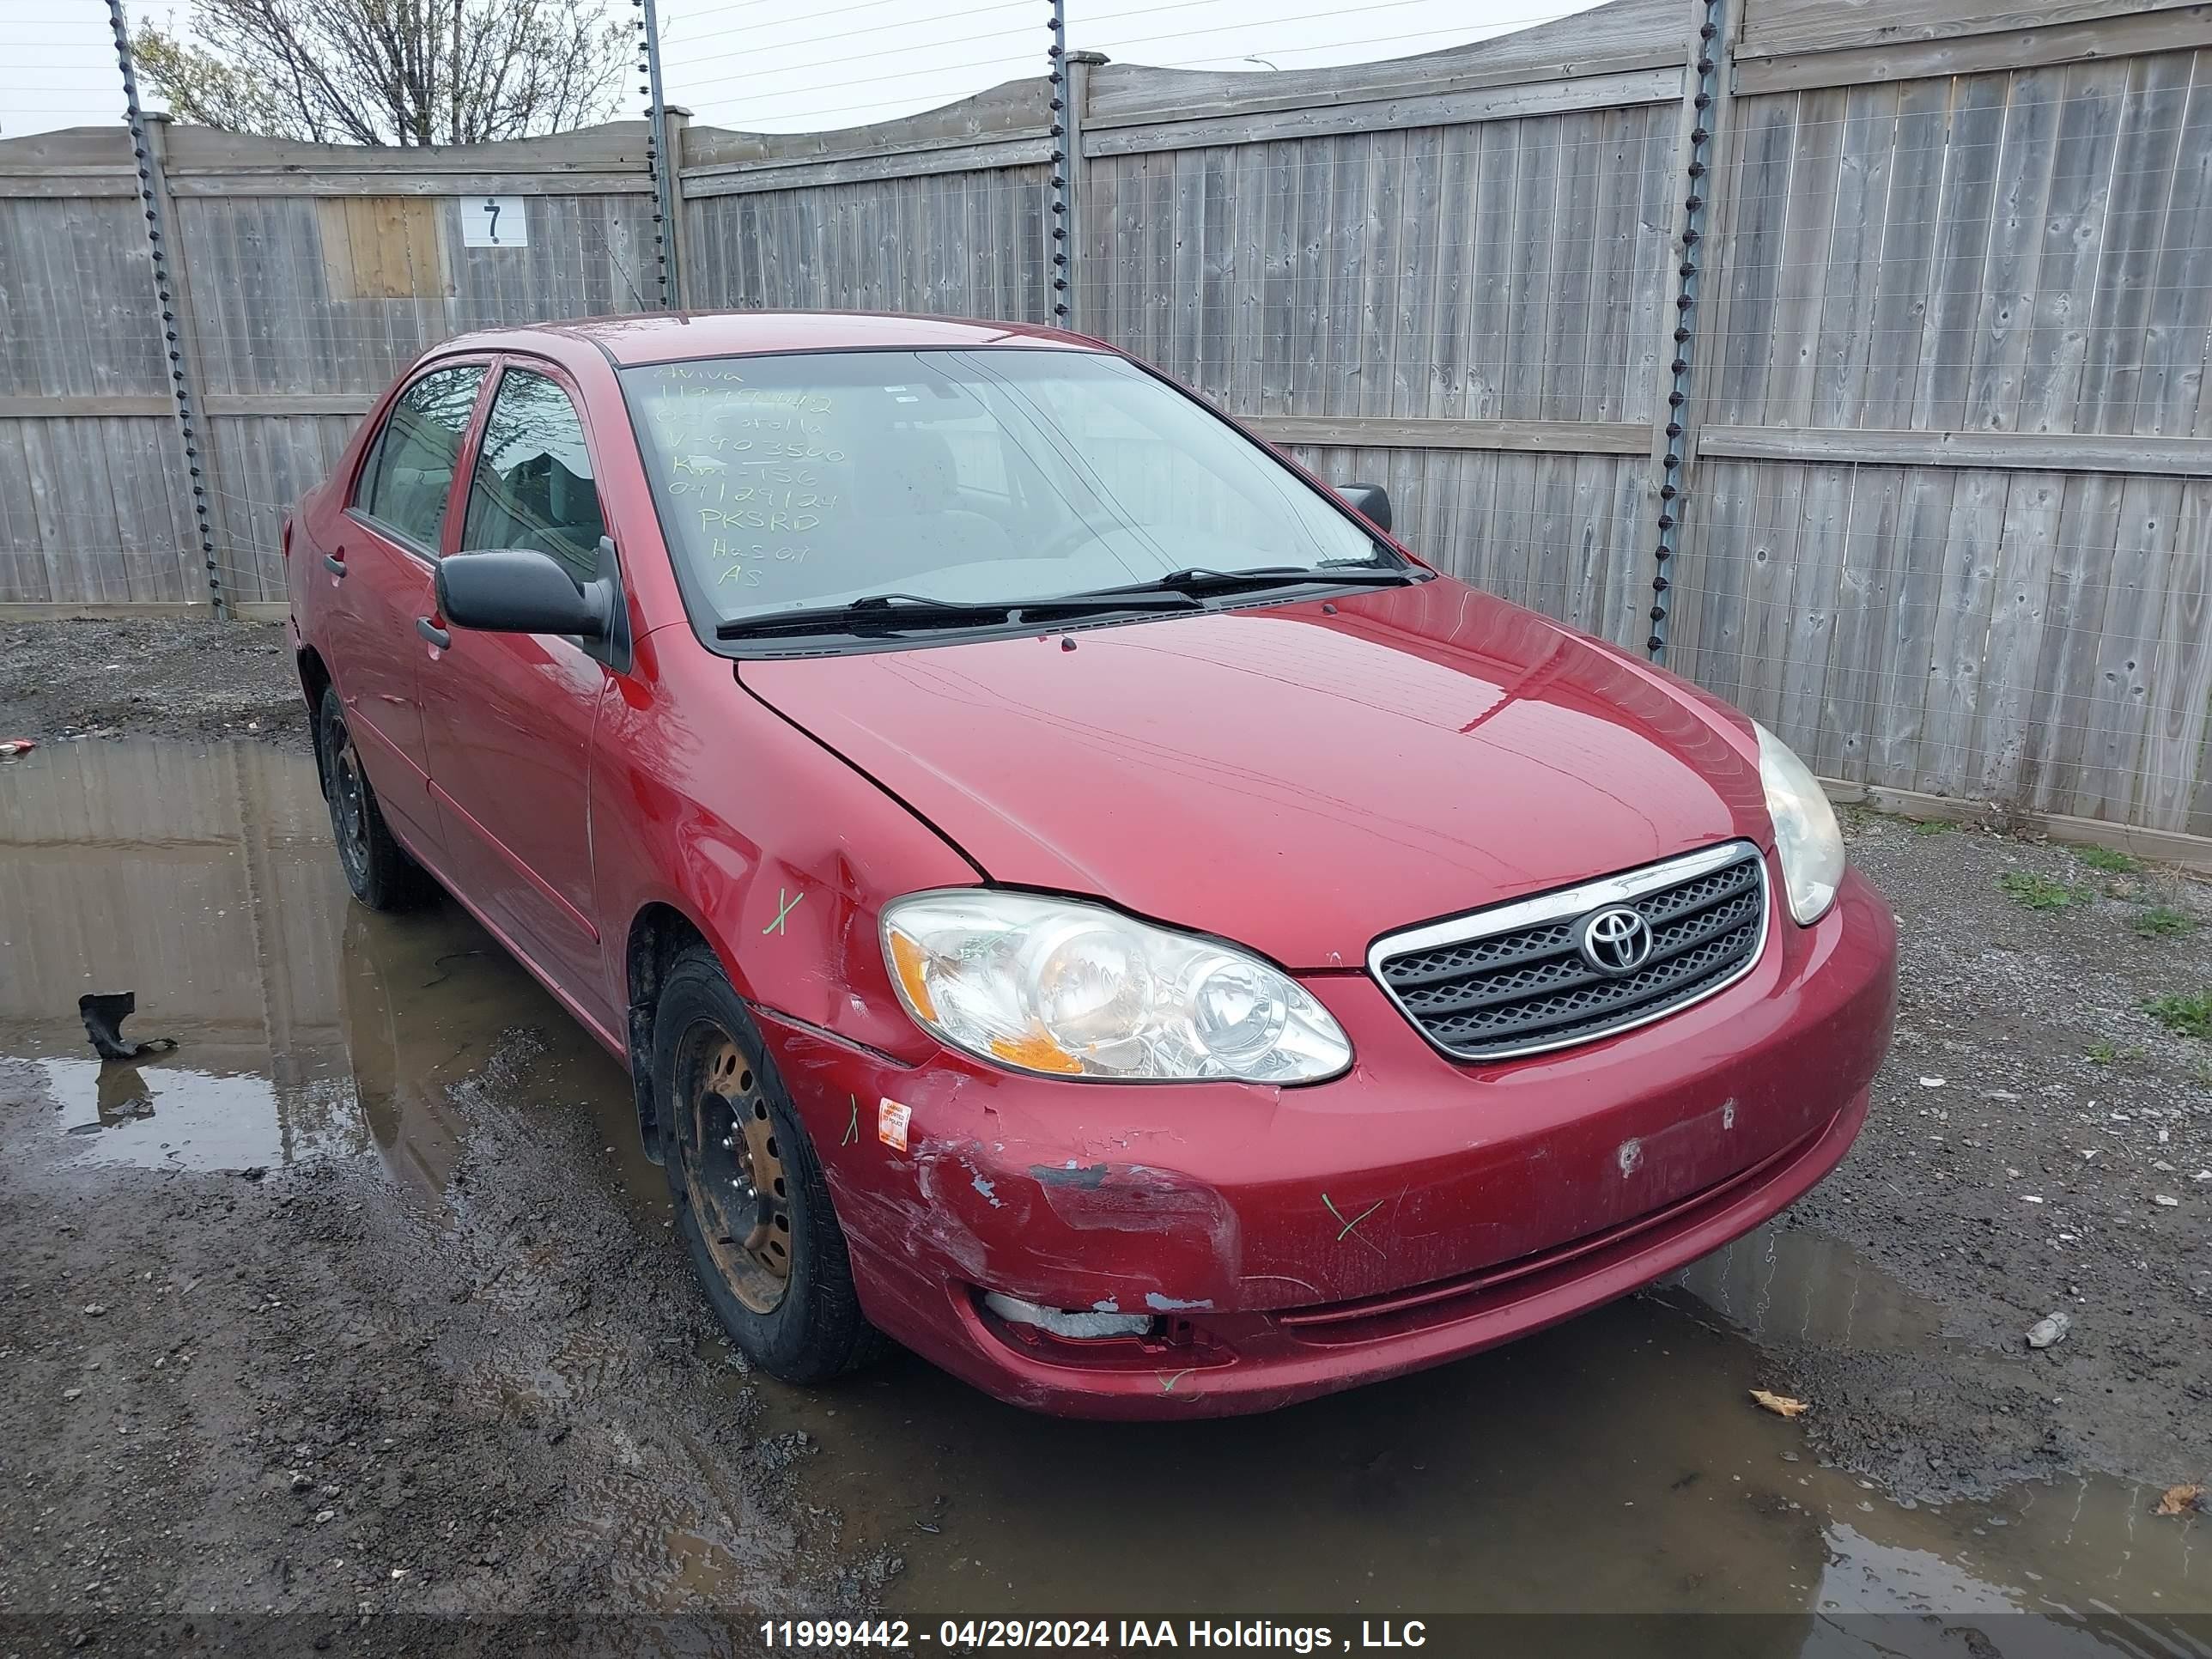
column 495, row 221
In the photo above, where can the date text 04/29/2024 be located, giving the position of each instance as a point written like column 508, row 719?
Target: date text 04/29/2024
column 1107, row 1635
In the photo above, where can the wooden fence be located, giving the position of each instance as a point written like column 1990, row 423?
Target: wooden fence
column 1886, row 320
column 307, row 277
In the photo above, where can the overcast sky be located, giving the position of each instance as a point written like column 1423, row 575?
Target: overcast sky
column 773, row 65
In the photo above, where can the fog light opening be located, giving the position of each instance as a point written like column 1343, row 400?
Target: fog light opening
column 1072, row 1324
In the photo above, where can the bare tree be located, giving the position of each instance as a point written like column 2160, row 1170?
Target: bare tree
column 389, row 71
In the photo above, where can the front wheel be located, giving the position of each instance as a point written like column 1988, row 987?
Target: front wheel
column 377, row 867
column 750, row 1200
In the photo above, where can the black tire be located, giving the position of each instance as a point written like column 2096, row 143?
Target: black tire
column 752, row 1204
column 377, row 867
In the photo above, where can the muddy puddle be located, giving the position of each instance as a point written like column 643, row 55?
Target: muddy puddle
column 1611, row 1465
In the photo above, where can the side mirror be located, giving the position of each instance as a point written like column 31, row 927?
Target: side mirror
column 518, row 590
column 1370, row 502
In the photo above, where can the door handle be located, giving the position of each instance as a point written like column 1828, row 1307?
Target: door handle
column 430, row 631
column 335, row 563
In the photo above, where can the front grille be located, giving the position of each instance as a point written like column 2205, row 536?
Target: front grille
column 1516, row 978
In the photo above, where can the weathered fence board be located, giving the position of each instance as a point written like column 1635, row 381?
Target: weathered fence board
column 969, row 243
column 1954, row 52
column 91, row 510
column 2009, row 268
column 1794, row 25
column 2186, row 457
column 317, row 273
column 91, row 504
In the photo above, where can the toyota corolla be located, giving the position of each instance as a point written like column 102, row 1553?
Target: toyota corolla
column 1072, row 894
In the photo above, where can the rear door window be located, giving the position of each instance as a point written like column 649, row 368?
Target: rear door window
column 408, row 478
column 533, row 486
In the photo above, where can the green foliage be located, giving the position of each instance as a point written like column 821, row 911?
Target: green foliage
column 2164, row 921
column 2188, row 1012
column 2106, row 857
column 2037, row 892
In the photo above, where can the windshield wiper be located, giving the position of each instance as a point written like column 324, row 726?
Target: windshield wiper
column 1198, row 580
column 895, row 613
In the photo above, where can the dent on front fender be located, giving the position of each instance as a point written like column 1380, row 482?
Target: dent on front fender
column 776, row 850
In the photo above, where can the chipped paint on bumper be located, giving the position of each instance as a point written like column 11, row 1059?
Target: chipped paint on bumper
column 1277, row 1231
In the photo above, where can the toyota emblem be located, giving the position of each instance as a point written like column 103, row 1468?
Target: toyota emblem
column 1615, row 941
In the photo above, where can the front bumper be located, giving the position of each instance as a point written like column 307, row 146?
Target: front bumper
column 1298, row 1241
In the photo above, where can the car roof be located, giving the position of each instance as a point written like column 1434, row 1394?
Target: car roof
column 681, row 336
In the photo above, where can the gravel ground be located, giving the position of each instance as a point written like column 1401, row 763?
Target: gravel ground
column 215, row 1391
column 2041, row 1142
column 148, row 677
column 263, row 1391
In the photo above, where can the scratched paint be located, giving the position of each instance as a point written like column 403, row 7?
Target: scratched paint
column 1140, row 1198
column 1070, row 1174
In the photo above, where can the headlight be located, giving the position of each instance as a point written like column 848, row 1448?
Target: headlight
column 1806, row 838
column 1078, row 990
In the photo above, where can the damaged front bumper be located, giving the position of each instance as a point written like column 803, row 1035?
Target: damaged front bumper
column 1287, row 1242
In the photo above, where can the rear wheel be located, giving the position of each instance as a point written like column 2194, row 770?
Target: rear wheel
column 750, row 1201
column 377, row 867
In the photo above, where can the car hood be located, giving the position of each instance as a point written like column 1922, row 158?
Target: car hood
column 1297, row 779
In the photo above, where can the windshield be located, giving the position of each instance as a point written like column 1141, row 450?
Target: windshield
column 991, row 475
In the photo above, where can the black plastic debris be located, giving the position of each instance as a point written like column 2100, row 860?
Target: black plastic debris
column 123, row 1095
column 103, row 1013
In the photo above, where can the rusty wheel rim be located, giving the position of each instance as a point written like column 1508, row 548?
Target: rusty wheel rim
column 734, row 1169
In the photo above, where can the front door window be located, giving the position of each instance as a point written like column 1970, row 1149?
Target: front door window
column 533, row 486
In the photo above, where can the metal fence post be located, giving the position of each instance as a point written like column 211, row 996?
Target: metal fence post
column 1060, row 231
column 1673, row 446
column 179, row 338
column 658, row 160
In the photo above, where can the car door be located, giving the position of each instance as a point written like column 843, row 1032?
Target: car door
column 382, row 565
column 509, row 717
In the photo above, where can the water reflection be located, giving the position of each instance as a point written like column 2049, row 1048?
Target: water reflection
column 200, row 878
column 174, row 1116
column 1776, row 1282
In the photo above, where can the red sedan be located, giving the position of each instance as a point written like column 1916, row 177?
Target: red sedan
column 1073, row 895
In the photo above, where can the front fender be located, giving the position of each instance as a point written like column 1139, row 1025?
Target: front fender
column 776, row 849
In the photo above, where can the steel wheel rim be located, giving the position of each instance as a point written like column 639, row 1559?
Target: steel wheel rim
column 348, row 800
column 733, row 1167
